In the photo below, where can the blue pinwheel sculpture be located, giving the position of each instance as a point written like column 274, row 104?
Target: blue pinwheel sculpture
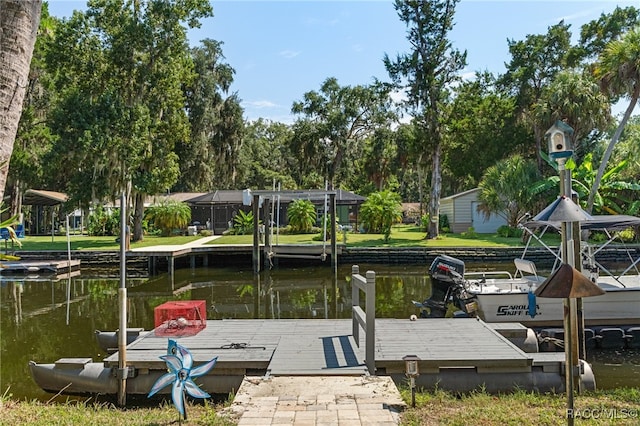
column 181, row 374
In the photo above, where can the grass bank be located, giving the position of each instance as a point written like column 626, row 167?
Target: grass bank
column 619, row 407
column 401, row 236
column 84, row 242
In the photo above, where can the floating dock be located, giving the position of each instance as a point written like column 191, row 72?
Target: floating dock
column 459, row 355
column 39, row 266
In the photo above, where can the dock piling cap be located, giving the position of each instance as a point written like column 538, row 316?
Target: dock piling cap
column 568, row 282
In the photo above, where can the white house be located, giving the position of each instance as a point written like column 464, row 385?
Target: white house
column 462, row 211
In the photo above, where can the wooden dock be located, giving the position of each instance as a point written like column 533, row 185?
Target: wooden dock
column 457, row 354
column 40, row 266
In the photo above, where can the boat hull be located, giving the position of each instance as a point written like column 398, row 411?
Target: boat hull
column 619, row 306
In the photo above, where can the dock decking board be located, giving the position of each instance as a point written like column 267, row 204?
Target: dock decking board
column 324, row 346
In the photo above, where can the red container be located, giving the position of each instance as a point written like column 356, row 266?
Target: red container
column 180, row 318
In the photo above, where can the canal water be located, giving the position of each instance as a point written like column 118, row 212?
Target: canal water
column 47, row 319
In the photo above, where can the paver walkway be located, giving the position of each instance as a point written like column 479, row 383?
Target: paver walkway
column 307, row 400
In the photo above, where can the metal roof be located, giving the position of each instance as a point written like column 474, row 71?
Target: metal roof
column 234, row 196
column 39, row 197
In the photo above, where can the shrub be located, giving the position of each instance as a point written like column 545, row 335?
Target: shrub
column 102, row 223
column 470, row 234
column 508, row 231
column 424, row 223
column 443, row 222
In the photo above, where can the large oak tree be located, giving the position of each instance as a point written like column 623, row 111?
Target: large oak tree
column 122, row 69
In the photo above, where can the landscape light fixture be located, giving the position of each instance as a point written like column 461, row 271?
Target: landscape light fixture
column 411, row 371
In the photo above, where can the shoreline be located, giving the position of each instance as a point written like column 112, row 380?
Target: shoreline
column 242, row 255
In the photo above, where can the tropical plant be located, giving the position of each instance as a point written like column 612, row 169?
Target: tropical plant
column 168, row 215
column 614, row 196
column 618, row 70
column 505, row 189
column 301, row 215
column 102, row 222
column 243, row 223
column 12, row 236
column 380, row 212
column 576, row 99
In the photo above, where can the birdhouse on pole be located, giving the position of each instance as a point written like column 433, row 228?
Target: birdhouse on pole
column 559, row 140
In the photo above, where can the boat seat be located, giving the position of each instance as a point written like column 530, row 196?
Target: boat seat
column 526, row 266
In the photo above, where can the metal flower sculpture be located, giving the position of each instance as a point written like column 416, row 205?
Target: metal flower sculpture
column 180, row 362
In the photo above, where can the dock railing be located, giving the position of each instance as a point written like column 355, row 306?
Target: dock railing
column 364, row 318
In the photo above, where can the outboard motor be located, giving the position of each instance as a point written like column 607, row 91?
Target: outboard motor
column 444, row 271
column 447, row 283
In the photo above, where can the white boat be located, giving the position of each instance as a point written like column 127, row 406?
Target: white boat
column 503, row 297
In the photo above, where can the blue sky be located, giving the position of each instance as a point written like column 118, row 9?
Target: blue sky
column 282, row 49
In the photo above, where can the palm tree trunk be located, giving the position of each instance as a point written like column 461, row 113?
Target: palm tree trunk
column 612, row 144
column 19, row 21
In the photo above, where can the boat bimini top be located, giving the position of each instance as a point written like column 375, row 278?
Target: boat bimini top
column 535, row 229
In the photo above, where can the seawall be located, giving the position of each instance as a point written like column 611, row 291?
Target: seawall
column 242, row 256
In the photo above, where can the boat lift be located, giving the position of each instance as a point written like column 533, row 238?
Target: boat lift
column 268, row 200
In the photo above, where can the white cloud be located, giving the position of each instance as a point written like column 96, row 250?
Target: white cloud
column 468, row 76
column 289, row 54
column 260, row 104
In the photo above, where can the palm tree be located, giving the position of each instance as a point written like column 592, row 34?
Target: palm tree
column 618, row 70
column 505, row 188
column 381, row 211
column 576, row 99
column 301, row 215
column 19, row 22
column 169, row 215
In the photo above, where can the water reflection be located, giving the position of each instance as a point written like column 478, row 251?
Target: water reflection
column 45, row 320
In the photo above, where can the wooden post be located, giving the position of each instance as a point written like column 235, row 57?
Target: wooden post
column 366, row 320
column 334, row 233
column 256, row 241
column 266, row 211
column 355, row 301
column 370, row 304
column 122, row 302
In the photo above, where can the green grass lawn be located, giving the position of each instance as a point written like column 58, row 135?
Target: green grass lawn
column 84, row 242
column 401, row 236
